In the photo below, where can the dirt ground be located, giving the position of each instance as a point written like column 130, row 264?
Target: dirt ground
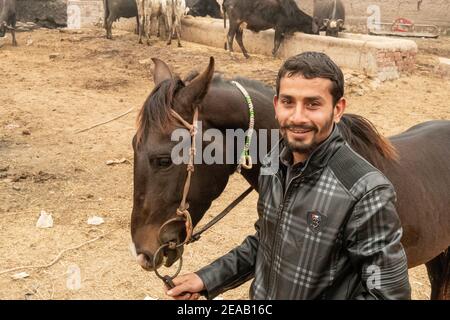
column 55, row 83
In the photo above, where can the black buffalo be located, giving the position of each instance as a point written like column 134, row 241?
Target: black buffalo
column 203, row 8
column 282, row 15
column 115, row 9
column 8, row 19
column 329, row 15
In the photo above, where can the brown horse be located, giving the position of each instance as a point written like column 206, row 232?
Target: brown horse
column 421, row 174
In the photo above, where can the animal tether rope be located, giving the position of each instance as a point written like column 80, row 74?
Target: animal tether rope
column 245, row 162
column 246, row 159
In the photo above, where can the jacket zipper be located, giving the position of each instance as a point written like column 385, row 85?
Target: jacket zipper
column 280, row 215
column 275, row 244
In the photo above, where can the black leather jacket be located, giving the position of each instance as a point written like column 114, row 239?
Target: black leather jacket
column 331, row 232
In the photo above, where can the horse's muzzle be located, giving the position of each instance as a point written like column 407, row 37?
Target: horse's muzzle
column 144, row 261
column 165, row 257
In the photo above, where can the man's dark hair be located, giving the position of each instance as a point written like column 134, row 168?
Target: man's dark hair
column 312, row 65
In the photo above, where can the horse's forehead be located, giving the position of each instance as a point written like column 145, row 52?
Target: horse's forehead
column 160, row 139
column 157, row 139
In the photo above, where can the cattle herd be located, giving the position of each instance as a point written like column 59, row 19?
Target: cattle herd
column 284, row 16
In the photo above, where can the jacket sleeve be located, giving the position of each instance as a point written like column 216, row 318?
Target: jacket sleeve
column 232, row 269
column 373, row 236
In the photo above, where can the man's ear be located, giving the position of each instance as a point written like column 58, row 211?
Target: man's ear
column 339, row 109
column 275, row 104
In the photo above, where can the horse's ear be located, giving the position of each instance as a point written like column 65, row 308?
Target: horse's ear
column 196, row 90
column 161, row 71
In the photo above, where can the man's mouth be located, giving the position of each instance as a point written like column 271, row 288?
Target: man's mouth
column 299, row 131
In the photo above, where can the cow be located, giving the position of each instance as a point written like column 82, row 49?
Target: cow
column 149, row 11
column 329, row 15
column 174, row 13
column 203, row 8
column 171, row 11
column 115, row 9
column 8, row 19
column 282, row 15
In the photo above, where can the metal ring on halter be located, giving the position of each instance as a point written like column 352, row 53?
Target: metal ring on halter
column 186, row 218
column 155, row 257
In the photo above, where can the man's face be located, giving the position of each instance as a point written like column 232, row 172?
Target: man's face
column 304, row 108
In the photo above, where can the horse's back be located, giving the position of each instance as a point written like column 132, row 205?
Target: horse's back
column 435, row 127
column 421, row 178
column 426, row 145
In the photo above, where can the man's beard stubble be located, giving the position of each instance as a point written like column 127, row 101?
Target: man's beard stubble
column 307, row 149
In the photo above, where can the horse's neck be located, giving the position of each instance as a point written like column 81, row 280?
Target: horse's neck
column 234, row 113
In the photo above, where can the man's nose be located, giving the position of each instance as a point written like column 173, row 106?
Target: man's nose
column 299, row 114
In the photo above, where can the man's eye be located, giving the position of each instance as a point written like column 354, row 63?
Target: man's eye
column 314, row 105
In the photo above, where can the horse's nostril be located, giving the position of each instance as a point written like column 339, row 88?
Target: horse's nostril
column 165, row 239
column 145, row 260
column 142, row 259
column 173, row 240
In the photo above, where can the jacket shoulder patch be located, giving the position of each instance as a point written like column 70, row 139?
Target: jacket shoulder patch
column 349, row 167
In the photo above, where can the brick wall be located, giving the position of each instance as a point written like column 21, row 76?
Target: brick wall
column 391, row 62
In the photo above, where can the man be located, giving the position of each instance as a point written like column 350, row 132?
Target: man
column 327, row 227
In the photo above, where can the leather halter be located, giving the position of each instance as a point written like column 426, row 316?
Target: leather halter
column 182, row 211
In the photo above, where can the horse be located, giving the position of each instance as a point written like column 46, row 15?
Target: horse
column 415, row 161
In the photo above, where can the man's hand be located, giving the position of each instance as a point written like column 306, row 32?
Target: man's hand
column 187, row 287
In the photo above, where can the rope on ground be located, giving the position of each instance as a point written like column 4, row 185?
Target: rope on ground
column 105, row 122
column 45, row 266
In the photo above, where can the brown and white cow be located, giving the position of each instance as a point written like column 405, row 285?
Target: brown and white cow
column 171, row 11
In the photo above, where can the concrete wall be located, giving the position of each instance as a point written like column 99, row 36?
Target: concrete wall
column 424, row 12
column 382, row 57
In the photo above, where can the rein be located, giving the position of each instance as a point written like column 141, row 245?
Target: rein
column 183, row 214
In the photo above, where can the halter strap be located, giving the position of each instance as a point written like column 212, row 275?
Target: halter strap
column 182, row 211
column 245, row 160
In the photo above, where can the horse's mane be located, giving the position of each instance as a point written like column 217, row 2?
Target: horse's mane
column 365, row 139
column 156, row 109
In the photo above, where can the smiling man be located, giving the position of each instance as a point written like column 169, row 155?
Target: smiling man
column 327, row 226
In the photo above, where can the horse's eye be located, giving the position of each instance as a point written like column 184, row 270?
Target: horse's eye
column 164, row 162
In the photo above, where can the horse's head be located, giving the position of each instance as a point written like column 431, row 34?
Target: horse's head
column 159, row 179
